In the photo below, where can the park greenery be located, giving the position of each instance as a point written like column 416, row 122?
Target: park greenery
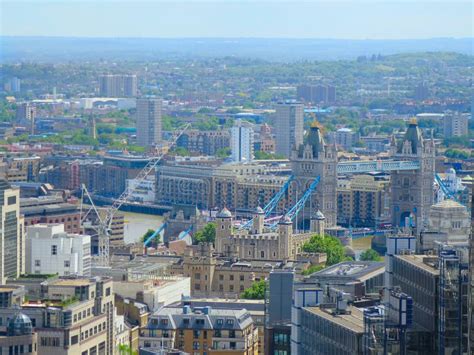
column 329, row 245
column 256, row 291
column 206, row 235
column 370, row 255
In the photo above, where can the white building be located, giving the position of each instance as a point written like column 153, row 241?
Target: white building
column 346, row 138
column 50, row 250
column 241, row 138
column 144, row 191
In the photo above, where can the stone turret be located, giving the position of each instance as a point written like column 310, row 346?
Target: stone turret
column 285, row 232
column 223, row 229
column 317, row 224
column 258, row 221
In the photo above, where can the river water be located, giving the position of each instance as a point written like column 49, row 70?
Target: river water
column 137, row 224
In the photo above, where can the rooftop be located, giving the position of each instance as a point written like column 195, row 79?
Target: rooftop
column 70, row 282
column 424, row 262
column 353, row 321
column 352, row 270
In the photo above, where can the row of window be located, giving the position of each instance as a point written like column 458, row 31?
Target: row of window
column 90, row 332
column 18, row 349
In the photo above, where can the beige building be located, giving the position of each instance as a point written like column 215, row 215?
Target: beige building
column 12, row 239
column 75, row 316
column 202, row 330
column 362, row 200
column 19, row 337
column 260, row 242
column 289, row 119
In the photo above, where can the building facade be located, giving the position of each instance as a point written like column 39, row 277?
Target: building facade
column 455, row 124
column 242, row 142
column 50, row 250
column 289, row 119
column 149, row 122
column 204, row 142
column 118, row 85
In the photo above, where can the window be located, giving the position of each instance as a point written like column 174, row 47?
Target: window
column 197, row 276
column 242, row 277
column 195, row 345
column 262, row 254
column 231, row 333
column 196, row 334
column 74, row 339
column 11, row 200
column 54, row 250
column 107, row 291
column 221, row 277
column 164, row 321
column 231, row 277
column 66, row 263
column 217, row 333
column 220, row 321
column 37, row 262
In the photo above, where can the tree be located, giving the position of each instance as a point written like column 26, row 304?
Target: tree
column 206, row 235
column 312, row 269
column 223, row 152
column 370, row 255
column 255, row 292
column 148, row 234
column 326, row 244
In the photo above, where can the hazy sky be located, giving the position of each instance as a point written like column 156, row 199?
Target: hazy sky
column 356, row 19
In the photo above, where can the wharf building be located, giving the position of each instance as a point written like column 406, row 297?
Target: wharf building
column 204, row 142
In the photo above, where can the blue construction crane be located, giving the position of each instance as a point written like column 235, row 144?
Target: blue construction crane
column 183, row 234
column 443, row 187
column 293, row 212
column 151, row 237
column 268, row 209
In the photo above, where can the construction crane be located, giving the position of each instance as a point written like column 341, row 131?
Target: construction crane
column 293, row 212
column 153, row 236
column 268, row 209
column 104, row 227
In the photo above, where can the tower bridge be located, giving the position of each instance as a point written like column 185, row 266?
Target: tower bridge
column 367, row 166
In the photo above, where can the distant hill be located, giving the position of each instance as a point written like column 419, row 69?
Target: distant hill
column 59, row 49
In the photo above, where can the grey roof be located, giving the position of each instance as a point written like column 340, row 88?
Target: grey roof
column 199, row 318
column 225, row 213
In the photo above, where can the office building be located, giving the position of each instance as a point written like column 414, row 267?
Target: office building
column 12, row 243
column 204, row 142
column 148, row 122
column 455, row 124
column 316, row 94
column 117, row 85
column 26, row 114
column 19, row 337
column 242, row 142
column 201, row 330
column 346, row 138
column 72, row 316
column 50, row 250
column 289, row 119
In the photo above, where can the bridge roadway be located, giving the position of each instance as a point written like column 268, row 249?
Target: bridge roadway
column 367, row 166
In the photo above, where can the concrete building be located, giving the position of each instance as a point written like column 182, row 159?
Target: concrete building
column 202, row 330
column 149, row 122
column 346, row 138
column 422, row 92
column 19, row 337
column 51, row 209
column 331, row 331
column 12, row 239
column 363, row 201
column 117, row 85
column 316, row 94
column 155, row 293
column 309, row 160
column 412, row 190
column 26, row 114
column 204, row 142
column 242, row 142
column 289, row 119
column 50, row 250
column 455, row 124
column 448, row 223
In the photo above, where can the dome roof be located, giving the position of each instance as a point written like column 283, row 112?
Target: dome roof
column 285, row 220
column 319, row 215
column 225, row 213
column 20, row 324
column 259, row 210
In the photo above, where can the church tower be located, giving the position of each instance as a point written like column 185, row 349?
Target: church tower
column 311, row 159
column 285, row 232
column 412, row 190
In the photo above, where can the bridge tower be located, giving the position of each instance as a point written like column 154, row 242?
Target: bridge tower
column 311, row 159
column 412, row 190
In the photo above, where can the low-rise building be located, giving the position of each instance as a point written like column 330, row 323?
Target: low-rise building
column 201, row 330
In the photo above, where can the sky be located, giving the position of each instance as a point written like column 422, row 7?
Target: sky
column 356, row 19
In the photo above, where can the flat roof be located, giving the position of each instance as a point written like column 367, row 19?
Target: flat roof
column 418, row 261
column 353, row 321
column 70, row 282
